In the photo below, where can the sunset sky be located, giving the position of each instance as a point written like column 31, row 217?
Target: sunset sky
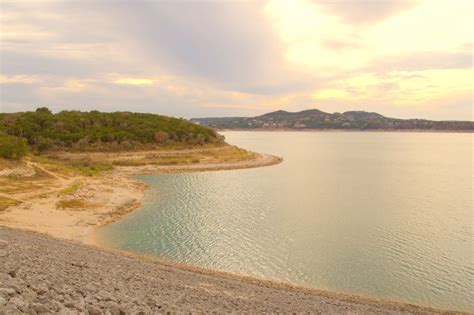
column 192, row 59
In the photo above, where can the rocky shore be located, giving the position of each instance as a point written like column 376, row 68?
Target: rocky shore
column 40, row 274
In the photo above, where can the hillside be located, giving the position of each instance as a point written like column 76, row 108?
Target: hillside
column 42, row 131
column 316, row 119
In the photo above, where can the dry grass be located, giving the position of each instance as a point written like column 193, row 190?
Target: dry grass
column 13, row 186
column 130, row 162
column 71, row 189
column 17, row 184
column 75, row 204
column 7, row 202
column 204, row 155
column 4, row 164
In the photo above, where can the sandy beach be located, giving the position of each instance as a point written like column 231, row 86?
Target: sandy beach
column 103, row 198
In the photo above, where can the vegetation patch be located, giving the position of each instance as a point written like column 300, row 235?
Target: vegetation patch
column 71, row 189
column 12, row 147
column 44, row 131
column 9, row 164
column 7, row 202
column 129, row 162
column 12, row 186
column 75, row 203
column 54, row 166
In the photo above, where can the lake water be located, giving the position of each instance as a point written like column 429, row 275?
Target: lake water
column 388, row 215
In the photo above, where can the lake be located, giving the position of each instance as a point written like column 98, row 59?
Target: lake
column 380, row 214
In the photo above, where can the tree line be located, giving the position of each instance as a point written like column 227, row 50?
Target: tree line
column 42, row 130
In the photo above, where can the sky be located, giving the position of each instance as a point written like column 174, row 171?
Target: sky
column 405, row 58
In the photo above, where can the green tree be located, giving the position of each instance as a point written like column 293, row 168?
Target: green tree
column 12, row 148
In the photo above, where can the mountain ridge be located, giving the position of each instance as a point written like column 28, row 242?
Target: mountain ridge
column 317, row 119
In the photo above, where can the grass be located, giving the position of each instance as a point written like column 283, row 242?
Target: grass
column 204, row 155
column 4, row 164
column 55, row 166
column 71, row 189
column 14, row 186
column 7, row 202
column 85, row 167
column 75, row 203
column 130, row 162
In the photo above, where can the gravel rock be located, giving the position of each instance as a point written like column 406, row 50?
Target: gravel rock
column 39, row 308
column 63, row 277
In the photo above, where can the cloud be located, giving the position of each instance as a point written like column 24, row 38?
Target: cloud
column 366, row 11
column 233, row 58
column 229, row 44
column 423, row 61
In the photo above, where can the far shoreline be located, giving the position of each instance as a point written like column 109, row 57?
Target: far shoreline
column 345, row 130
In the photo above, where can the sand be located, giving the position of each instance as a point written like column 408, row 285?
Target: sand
column 105, row 198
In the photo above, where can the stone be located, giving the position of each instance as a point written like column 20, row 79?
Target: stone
column 3, row 253
column 93, row 310
column 19, row 303
column 39, row 308
column 7, row 291
column 10, row 309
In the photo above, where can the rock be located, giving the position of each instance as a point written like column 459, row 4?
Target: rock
column 3, row 301
column 14, row 286
column 66, row 311
column 93, row 310
column 39, row 308
column 3, row 253
column 10, row 309
column 19, row 303
column 6, row 292
column 3, row 243
column 29, row 295
column 12, row 272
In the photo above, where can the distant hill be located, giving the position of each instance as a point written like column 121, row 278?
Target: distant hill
column 316, row 119
column 42, row 130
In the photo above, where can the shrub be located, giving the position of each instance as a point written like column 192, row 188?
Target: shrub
column 12, row 148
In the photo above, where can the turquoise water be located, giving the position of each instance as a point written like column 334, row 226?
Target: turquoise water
column 387, row 215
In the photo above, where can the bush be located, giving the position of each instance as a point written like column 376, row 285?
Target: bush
column 12, row 148
column 75, row 130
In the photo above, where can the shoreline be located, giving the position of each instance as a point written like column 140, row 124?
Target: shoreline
column 103, row 199
column 64, row 274
column 345, row 130
column 137, row 188
column 280, row 285
column 263, row 160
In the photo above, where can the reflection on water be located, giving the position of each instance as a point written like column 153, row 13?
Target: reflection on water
column 380, row 214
